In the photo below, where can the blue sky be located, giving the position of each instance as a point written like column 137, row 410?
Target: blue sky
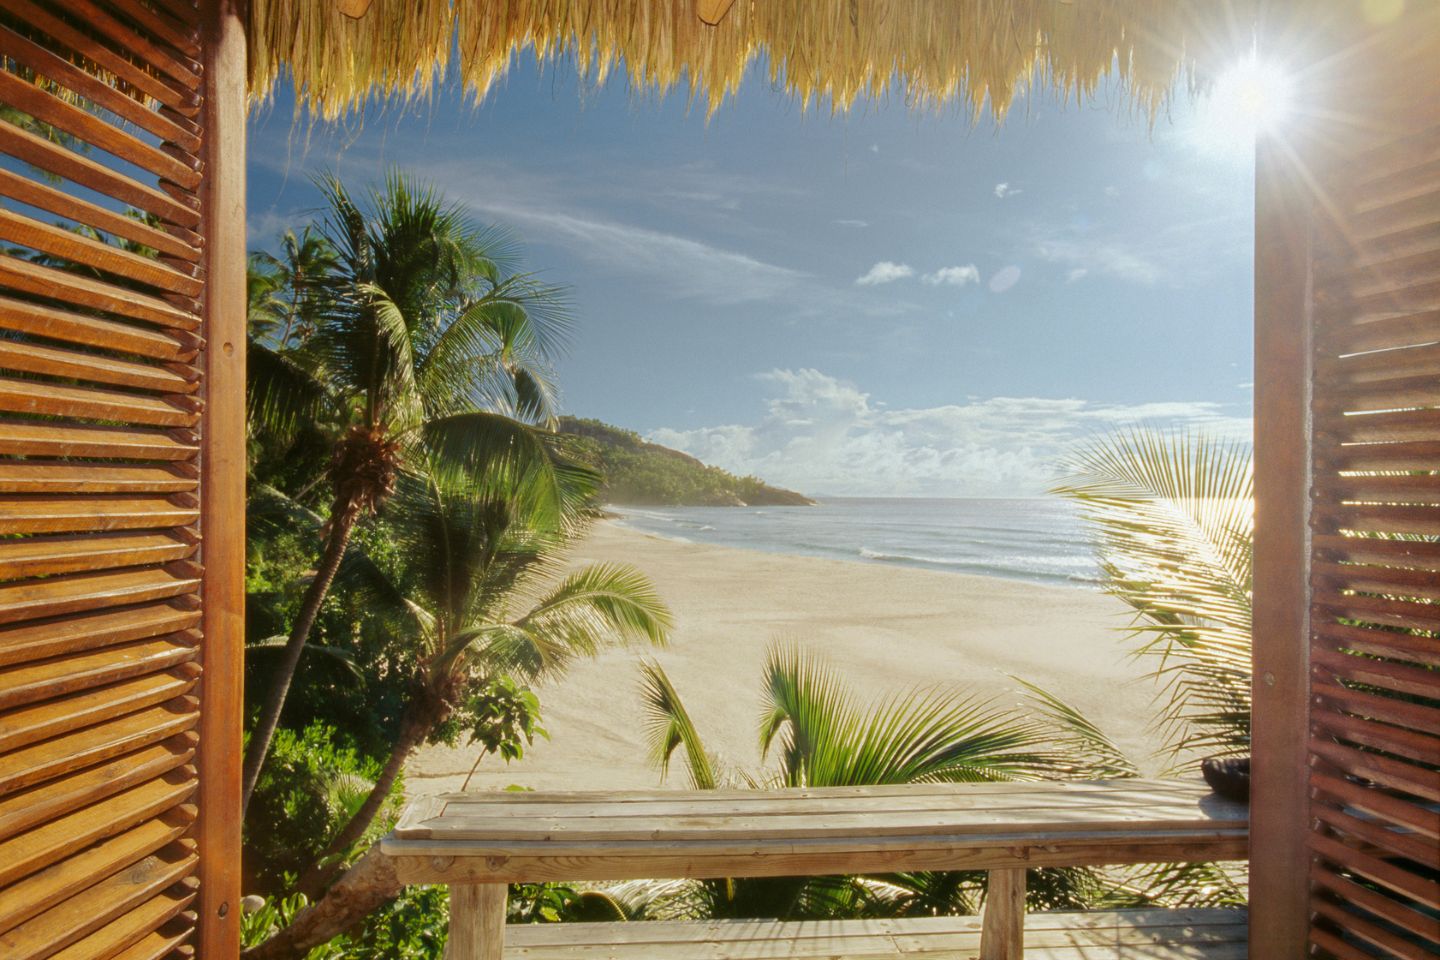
column 884, row 302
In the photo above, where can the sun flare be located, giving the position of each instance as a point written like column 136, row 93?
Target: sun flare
column 1248, row 100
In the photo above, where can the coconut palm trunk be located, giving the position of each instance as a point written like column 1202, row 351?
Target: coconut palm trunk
column 335, row 546
column 424, row 714
column 368, row 885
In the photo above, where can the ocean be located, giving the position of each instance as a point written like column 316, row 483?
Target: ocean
column 1036, row 540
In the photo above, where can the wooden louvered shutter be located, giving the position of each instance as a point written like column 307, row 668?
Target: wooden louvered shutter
column 121, row 476
column 1375, row 562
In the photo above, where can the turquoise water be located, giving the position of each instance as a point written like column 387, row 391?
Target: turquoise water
column 1036, row 540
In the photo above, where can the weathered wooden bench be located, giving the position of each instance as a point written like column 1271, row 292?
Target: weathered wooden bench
column 478, row 842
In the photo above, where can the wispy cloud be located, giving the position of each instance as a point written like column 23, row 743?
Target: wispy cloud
column 885, row 272
column 1003, row 190
column 1077, row 273
column 953, row 276
column 823, row 435
column 851, row 223
column 685, row 267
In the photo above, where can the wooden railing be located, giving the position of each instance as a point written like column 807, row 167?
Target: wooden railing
column 479, row 842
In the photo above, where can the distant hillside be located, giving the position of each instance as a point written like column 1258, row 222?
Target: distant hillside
column 639, row 474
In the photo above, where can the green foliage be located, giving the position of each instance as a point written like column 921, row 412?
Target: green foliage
column 312, row 783
column 502, row 716
column 639, row 473
column 414, row 926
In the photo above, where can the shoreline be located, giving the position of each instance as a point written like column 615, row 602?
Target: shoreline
column 883, row 627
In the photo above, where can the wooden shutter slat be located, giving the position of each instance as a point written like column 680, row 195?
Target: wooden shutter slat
column 1381, row 643
column 1384, row 366
column 1379, row 518
column 50, row 638
column 30, row 808
column 1407, row 489
column 183, row 101
column 96, row 254
column 66, row 163
column 1401, row 713
column 90, row 713
column 1393, row 911
column 64, row 440
column 1405, row 455
column 34, row 397
column 38, row 762
column 1383, row 331
column 183, row 37
column 1388, row 581
column 68, row 877
column 1357, row 927
column 1381, row 674
column 32, row 682
column 48, row 282
column 1378, row 803
column 1397, row 740
column 162, row 944
column 53, row 324
column 131, row 929
column 44, row 63
column 1383, row 611
column 1390, row 394
column 53, row 362
column 46, row 556
column 60, row 476
column 1420, row 178
column 94, row 130
column 96, row 906
column 43, row 846
column 1391, row 877
column 76, row 593
column 60, row 514
column 47, row 198
column 182, row 69
column 1379, row 769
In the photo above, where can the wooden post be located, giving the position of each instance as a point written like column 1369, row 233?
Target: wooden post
column 1002, row 931
column 222, row 477
column 477, row 921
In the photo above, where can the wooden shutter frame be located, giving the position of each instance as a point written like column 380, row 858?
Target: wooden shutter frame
column 222, row 479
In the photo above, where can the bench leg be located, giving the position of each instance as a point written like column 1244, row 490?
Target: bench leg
column 477, row 921
column 1002, row 924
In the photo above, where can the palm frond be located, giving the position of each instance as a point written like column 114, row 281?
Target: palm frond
column 1172, row 519
column 1090, row 752
column 668, row 727
column 922, row 735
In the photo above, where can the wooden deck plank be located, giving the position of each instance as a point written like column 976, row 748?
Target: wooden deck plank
column 1122, row 935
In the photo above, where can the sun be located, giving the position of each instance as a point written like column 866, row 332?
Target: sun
column 1248, row 100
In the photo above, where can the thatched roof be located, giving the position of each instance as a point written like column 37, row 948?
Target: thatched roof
column 933, row 52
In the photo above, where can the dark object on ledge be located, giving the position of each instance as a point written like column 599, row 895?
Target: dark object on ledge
column 1228, row 776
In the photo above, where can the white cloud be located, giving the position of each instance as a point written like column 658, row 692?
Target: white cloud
column 1003, row 190
column 1004, row 279
column 1099, row 256
column 1078, row 273
column 822, row 435
column 852, row 223
column 885, row 272
column 953, row 276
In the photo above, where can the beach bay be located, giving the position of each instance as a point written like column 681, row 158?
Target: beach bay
column 885, row 628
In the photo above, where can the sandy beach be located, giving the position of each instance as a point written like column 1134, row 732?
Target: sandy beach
column 884, row 627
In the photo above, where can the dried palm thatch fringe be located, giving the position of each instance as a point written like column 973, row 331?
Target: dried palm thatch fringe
column 935, row 52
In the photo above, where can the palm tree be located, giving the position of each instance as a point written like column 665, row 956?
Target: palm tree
column 465, row 558
column 1172, row 516
column 820, row 737
column 289, row 291
column 423, row 339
